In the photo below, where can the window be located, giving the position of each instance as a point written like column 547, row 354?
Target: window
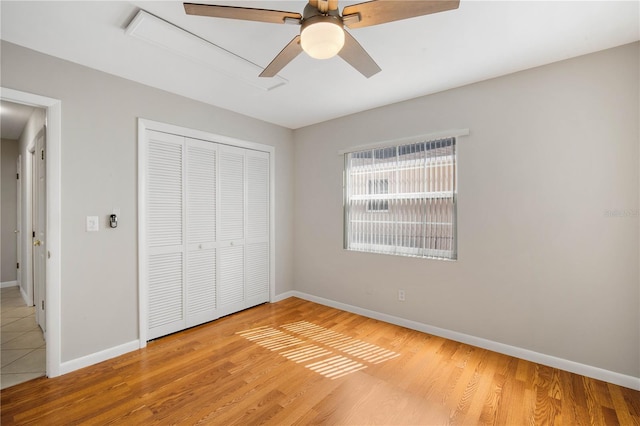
column 402, row 199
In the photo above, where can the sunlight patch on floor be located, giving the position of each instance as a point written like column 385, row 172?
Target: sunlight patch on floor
column 334, row 351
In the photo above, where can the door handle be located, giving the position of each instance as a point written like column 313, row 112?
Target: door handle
column 37, row 243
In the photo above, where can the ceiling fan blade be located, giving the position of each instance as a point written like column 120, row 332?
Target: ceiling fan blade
column 381, row 11
column 245, row 13
column 287, row 55
column 357, row 57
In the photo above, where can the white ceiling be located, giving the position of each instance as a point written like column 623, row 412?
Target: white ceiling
column 418, row 56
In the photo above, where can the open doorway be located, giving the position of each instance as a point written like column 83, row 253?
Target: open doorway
column 23, row 324
column 50, row 251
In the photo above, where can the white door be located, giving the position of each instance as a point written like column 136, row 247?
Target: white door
column 164, row 233
column 19, row 221
column 257, row 236
column 201, row 268
column 39, row 228
column 244, row 228
column 231, row 231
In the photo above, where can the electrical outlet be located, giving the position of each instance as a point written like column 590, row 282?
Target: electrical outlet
column 401, row 295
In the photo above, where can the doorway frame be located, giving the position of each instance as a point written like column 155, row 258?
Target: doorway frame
column 19, row 220
column 53, row 244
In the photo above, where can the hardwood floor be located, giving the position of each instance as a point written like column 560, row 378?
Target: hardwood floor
column 297, row 362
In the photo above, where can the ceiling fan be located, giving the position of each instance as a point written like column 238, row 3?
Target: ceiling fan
column 322, row 33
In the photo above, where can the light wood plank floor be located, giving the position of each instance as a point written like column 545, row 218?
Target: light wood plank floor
column 296, row 362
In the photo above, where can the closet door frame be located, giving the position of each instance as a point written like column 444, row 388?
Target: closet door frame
column 143, row 126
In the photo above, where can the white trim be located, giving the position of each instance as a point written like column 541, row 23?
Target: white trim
column 287, row 294
column 454, row 133
column 202, row 135
column 422, row 253
column 19, row 237
column 272, row 224
column 8, row 284
column 143, row 309
column 94, row 358
column 526, row 354
column 53, row 226
column 143, row 126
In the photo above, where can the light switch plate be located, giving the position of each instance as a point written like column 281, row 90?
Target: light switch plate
column 92, row 223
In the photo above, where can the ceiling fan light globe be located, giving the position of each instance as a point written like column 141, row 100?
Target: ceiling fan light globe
column 322, row 40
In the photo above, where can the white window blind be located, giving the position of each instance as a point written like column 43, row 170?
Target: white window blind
column 402, row 199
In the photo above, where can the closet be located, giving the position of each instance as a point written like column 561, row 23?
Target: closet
column 205, row 243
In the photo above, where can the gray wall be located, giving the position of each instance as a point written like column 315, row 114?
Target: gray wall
column 8, row 215
column 545, row 262
column 99, row 173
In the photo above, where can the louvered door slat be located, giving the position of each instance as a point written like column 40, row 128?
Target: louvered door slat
column 201, row 192
column 164, row 191
column 165, row 293
column 201, row 287
column 257, row 195
column 201, row 273
column 231, row 194
column 257, row 279
column 231, row 288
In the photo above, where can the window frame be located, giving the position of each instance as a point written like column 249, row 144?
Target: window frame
column 397, row 249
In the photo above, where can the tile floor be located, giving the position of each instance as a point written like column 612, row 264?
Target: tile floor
column 22, row 344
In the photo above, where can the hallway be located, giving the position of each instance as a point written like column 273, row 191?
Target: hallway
column 22, row 345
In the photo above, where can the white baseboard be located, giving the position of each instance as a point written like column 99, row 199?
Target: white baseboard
column 8, row 284
column 286, row 295
column 548, row 360
column 94, row 358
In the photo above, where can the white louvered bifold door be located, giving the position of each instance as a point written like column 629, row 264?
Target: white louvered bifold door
column 201, row 265
column 165, row 233
column 231, row 229
column 206, row 239
column 257, row 236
